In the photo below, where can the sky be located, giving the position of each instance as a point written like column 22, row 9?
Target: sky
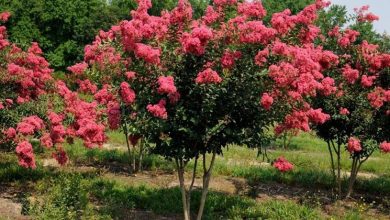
column 378, row 7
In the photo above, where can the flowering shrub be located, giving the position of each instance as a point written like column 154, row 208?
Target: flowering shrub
column 192, row 86
column 283, row 165
column 358, row 106
column 26, row 80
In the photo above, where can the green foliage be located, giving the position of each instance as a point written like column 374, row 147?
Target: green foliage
column 61, row 27
column 65, row 197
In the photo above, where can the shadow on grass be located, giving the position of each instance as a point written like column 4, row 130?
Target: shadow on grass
column 168, row 201
column 115, row 161
column 374, row 189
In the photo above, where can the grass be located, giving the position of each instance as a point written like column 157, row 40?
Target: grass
column 65, row 193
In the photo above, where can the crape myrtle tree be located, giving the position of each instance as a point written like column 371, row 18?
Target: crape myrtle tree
column 34, row 108
column 21, row 92
column 193, row 86
column 359, row 108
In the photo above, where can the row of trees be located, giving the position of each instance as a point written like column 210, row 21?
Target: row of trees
column 191, row 85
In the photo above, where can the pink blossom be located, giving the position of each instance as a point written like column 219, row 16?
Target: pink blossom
column 148, row 53
column 182, row 13
column 29, row 125
column 174, row 97
column 127, row 94
column 349, row 37
column 328, row 86
column 91, row 132
column 252, row 9
column 351, row 75
column 385, row 147
column 35, row 49
column 158, row 110
column 166, row 85
column 86, row 86
column 317, row 116
column 25, row 154
column 266, row 101
column 130, row 75
column 283, row 165
column 354, row 145
column 114, row 115
column 367, row 81
column 364, row 16
column 4, row 16
column 261, row 57
column 208, row 76
column 78, row 68
column 60, row 156
column 211, row 15
column 255, row 32
column 344, row 111
column 283, row 22
column 55, row 118
column 58, row 133
column 103, row 96
column 192, row 45
column 10, row 133
column 376, row 97
column 46, row 140
column 229, row 58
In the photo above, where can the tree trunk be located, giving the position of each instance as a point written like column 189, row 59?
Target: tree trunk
column 338, row 154
column 131, row 170
column 180, row 171
column 352, row 177
column 141, row 154
column 333, row 170
column 206, row 181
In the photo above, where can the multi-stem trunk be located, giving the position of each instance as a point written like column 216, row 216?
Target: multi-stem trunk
column 333, row 169
column 352, row 178
column 356, row 164
column 141, row 154
column 337, row 151
column 131, row 170
column 180, row 171
column 206, row 180
column 186, row 194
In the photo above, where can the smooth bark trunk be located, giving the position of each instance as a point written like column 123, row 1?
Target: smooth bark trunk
column 206, row 181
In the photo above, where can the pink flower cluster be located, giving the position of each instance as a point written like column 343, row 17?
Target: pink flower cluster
column 196, row 41
column 364, row 16
column 166, row 85
column 127, row 94
column 30, row 125
column 299, row 120
column 354, row 145
column 385, row 147
column 148, row 53
column 252, row 9
column 208, row 76
column 30, row 71
column 283, row 165
column 78, row 68
column 266, row 101
column 4, row 16
column 25, row 154
column 229, row 58
column 158, row 110
column 350, row 74
column 378, row 97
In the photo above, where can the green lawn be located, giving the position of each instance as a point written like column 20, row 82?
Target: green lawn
column 63, row 193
